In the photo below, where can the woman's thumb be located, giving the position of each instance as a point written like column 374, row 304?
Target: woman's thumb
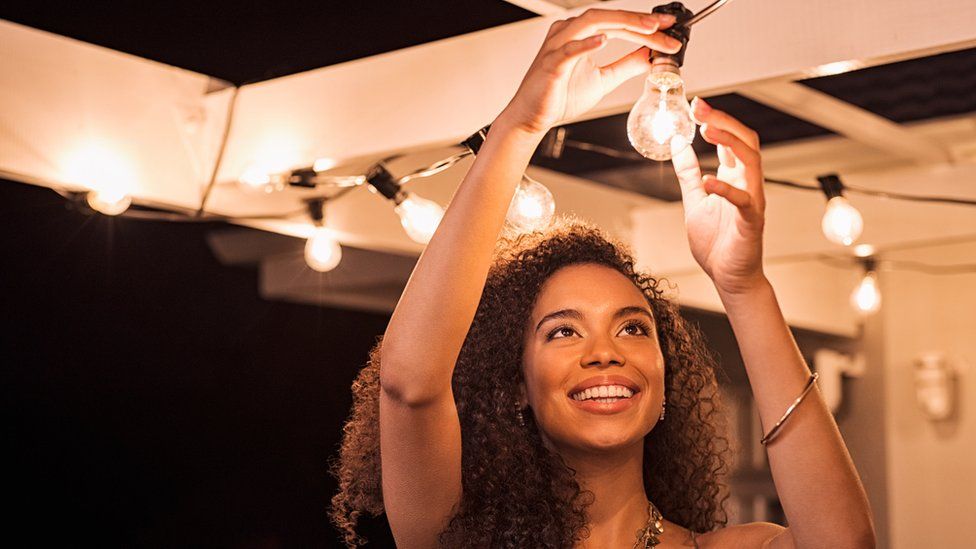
column 623, row 69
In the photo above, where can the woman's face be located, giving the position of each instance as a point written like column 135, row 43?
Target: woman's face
column 602, row 334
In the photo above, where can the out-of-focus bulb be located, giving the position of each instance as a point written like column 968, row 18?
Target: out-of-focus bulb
column 419, row 217
column 109, row 201
column 532, row 206
column 661, row 115
column 841, row 223
column 866, row 298
column 322, row 252
column 258, row 180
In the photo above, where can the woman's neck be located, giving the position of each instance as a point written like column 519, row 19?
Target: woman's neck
column 617, row 481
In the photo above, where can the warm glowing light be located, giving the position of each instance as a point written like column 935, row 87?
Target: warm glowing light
column 864, row 250
column 274, row 157
column 841, row 223
column 111, row 202
column 322, row 252
column 324, row 164
column 109, row 176
column 259, row 179
column 532, row 206
column 866, row 298
column 660, row 124
column 837, row 67
column 419, row 217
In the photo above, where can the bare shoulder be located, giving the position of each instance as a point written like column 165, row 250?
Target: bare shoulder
column 761, row 535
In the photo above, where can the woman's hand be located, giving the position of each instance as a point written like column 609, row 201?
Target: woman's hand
column 564, row 82
column 725, row 215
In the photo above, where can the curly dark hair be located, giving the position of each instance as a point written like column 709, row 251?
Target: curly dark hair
column 518, row 493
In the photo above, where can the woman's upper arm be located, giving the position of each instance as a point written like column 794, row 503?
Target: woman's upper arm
column 420, row 453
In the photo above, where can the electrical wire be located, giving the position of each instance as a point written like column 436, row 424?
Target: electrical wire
column 435, row 168
column 220, row 152
column 616, row 153
column 706, row 11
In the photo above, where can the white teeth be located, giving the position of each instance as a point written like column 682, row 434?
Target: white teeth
column 604, row 393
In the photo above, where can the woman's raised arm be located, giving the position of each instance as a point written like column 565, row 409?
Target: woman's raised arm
column 815, row 478
column 420, row 440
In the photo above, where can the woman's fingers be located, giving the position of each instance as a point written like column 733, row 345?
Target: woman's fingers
column 596, row 20
column 657, row 40
column 561, row 59
column 687, row 169
column 625, row 68
column 703, row 113
column 738, row 197
column 749, row 157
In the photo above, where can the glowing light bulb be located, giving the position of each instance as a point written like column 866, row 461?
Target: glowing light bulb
column 112, row 201
column 322, row 252
column 259, row 179
column 841, row 223
column 532, row 206
column 866, row 298
column 419, row 217
column 660, row 116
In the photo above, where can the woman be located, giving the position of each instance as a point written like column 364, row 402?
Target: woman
column 473, row 424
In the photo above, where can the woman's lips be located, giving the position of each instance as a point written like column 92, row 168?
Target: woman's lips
column 597, row 407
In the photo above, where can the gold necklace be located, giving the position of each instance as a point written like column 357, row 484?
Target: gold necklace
column 647, row 536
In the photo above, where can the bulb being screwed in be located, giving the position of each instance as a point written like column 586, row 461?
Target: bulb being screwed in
column 660, row 123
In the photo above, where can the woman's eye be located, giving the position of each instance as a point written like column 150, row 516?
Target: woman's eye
column 642, row 328
column 560, row 330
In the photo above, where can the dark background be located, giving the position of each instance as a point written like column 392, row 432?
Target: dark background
column 151, row 398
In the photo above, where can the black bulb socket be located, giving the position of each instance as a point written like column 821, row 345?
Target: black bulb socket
column 831, row 185
column 679, row 31
column 382, row 180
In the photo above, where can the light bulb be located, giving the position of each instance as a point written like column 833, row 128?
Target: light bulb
column 532, row 206
column 866, row 298
column 322, row 252
column 661, row 115
column 260, row 180
column 841, row 223
column 109, row 201
column 419, row 217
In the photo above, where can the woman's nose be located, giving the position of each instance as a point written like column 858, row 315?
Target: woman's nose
column 602, row 351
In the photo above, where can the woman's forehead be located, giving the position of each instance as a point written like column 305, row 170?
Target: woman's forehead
column 589, row 287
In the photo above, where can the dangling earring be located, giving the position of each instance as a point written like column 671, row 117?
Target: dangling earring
column 663, row 407
column 518, row 414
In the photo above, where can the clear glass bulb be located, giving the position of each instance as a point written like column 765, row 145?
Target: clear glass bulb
column 322, row 252
column 532, row 206
column 419, row 217
column 841, row 223
column 661, row 115
column 866, row 298
column 109, row 201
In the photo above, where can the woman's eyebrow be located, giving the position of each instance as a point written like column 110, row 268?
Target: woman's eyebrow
column 573, row 313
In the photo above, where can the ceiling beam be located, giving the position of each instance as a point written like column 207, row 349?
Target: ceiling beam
column 846, row 119
column 438, row 93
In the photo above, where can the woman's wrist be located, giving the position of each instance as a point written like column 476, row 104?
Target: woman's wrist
column 743, row 290
column 506, row 124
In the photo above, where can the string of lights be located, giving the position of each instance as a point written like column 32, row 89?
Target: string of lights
column 658, row 125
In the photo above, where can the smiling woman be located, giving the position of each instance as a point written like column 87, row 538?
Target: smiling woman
column 495, row 410
column 572, row 304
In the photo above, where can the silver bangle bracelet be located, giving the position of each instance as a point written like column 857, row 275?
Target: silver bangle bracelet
column 772, row 432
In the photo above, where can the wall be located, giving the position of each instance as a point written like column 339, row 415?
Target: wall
column 931, row 469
